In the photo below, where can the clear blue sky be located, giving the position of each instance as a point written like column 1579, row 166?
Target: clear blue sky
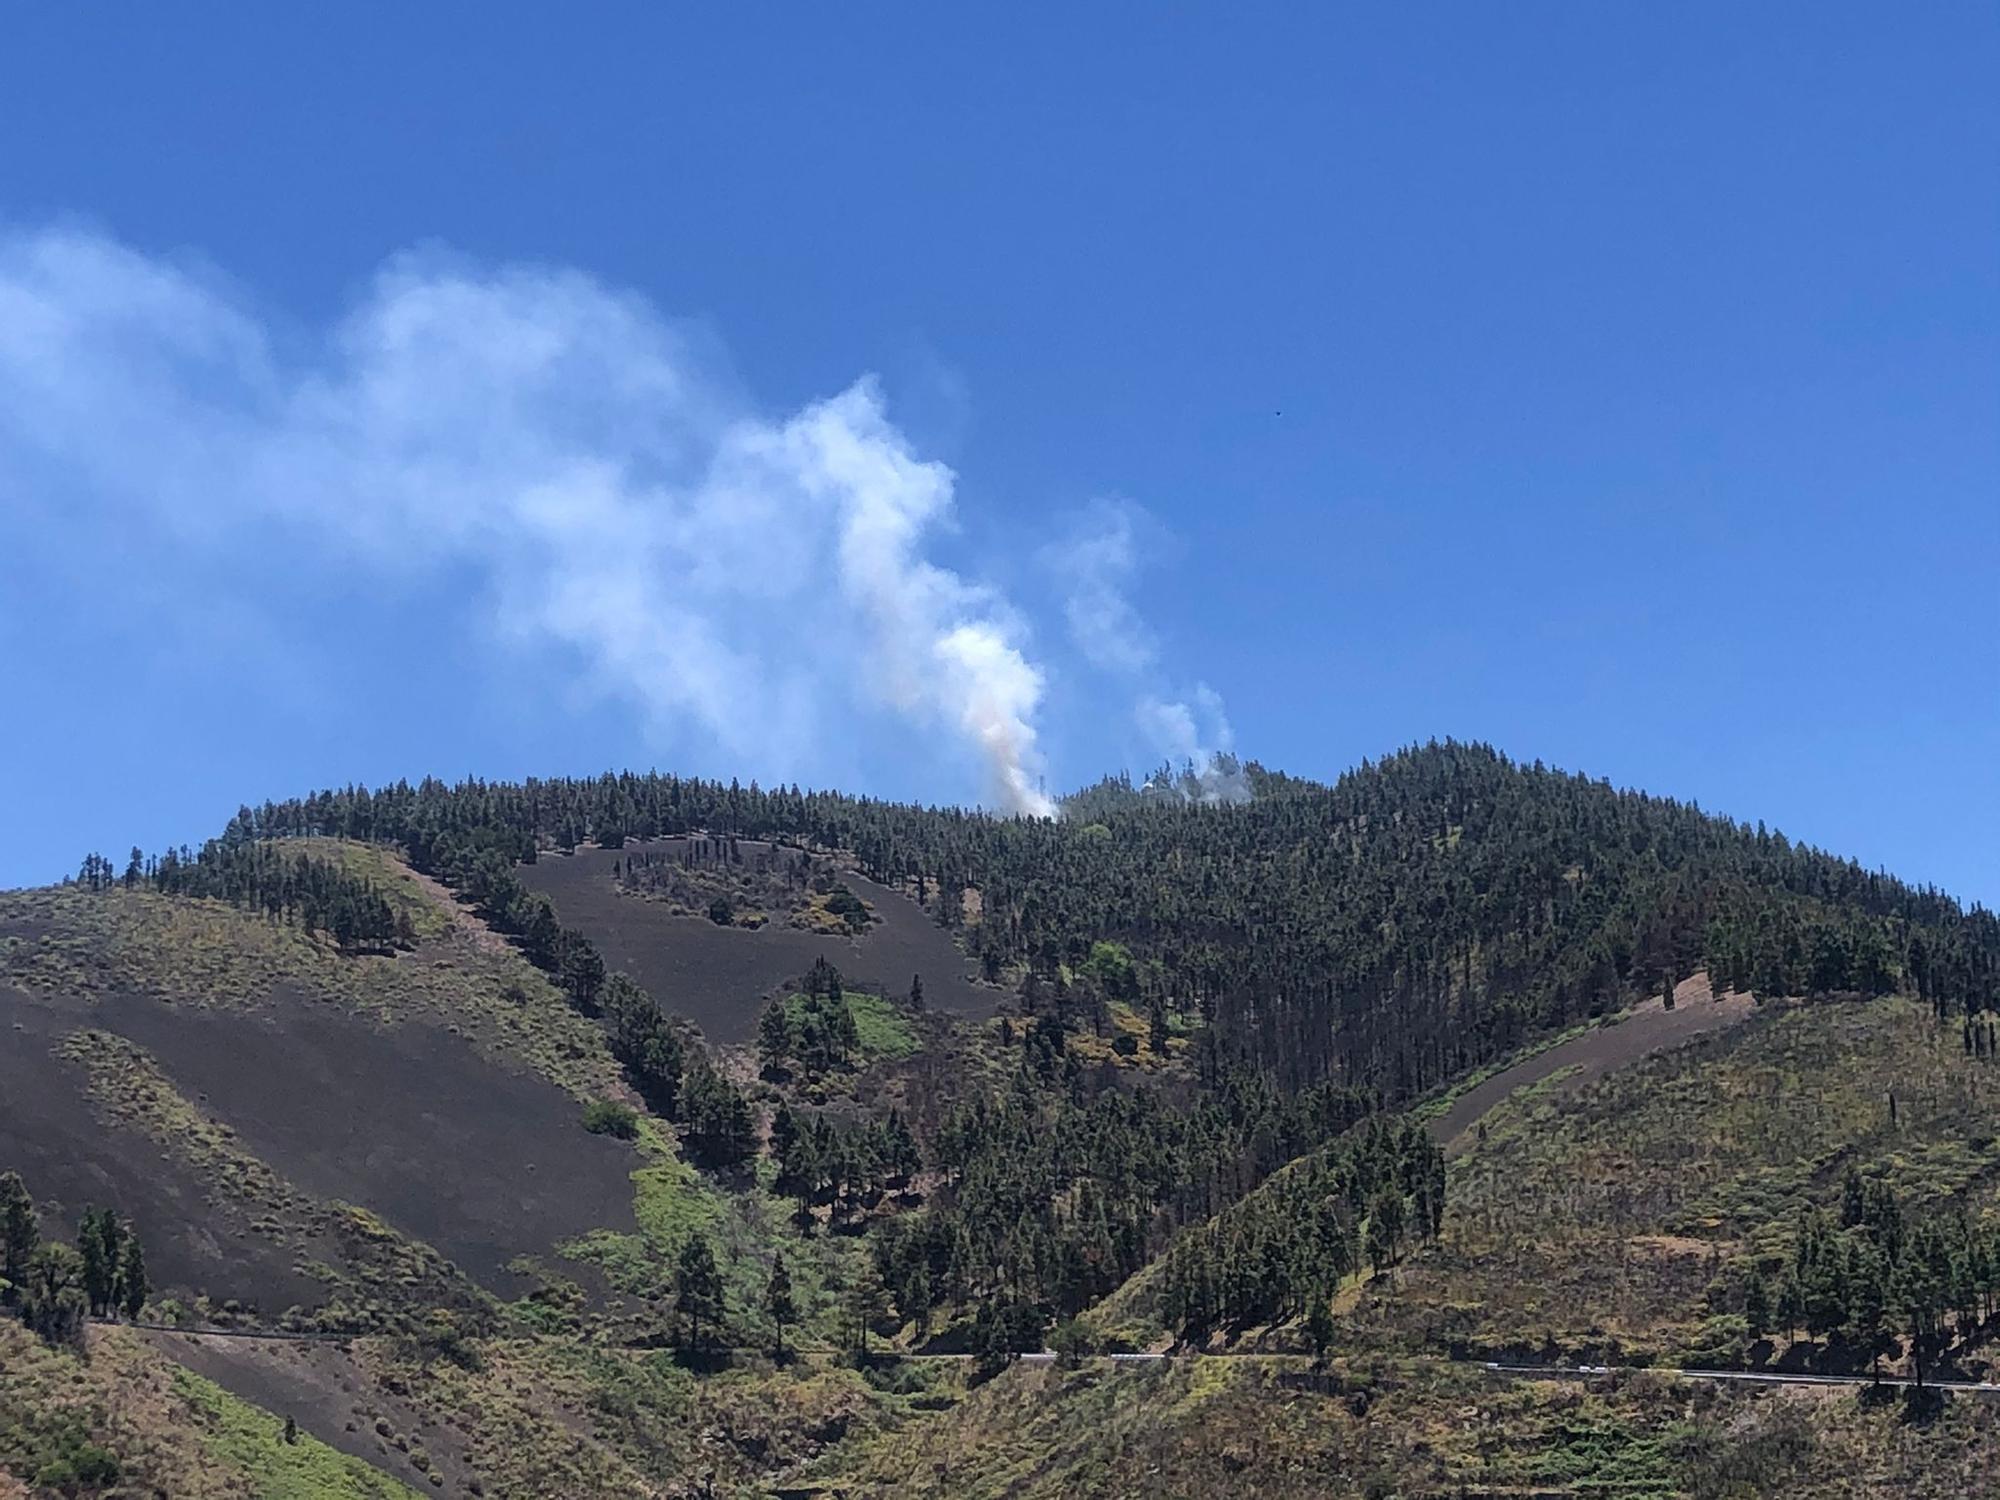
column 1617, row 384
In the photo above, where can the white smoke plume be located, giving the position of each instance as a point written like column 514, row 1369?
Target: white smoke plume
column 1097, row 563
column 558, row 440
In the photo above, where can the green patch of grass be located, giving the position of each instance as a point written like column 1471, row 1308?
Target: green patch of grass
column 884, row 1030
column 254, row 1440
column 670, row 1202
column 384, row 868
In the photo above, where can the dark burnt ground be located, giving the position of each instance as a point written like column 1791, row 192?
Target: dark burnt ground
column 719, row 977
column 1650, row 1027
column 50, row 1132
column 330, row 1396
column 407, row 1121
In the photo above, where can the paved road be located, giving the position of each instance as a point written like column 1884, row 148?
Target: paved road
column 1746, row 1377
column 1988, row 1389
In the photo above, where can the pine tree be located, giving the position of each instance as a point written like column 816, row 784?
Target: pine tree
column 132, row 1283
column 915, row 1301
column 901, row 1160
column 1320, row 1329
column 20, row 1234
column 1756, row 1304
column 778, row 1304
column 774, row 1037
column 98, row 1243
column 721, row 1128
column 864, row 1302
column 698, row 1294
column 54, row 1302
column 1385, row 1229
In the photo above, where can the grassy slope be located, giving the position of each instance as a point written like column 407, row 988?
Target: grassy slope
column 548, row 1417
column 369, row 1269
column 1599, row 1219
column 545, row 1411
column 1386, row 1427
column 254, row 1441
column 1590, row 1220
column 199, row 952
column 169, row 1432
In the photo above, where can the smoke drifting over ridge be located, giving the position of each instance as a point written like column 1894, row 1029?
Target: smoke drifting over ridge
column 1184, row 726
column 751, row 580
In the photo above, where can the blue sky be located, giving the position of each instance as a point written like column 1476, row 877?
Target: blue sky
column 398, row 390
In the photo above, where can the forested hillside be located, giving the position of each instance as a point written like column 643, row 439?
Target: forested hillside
column 1182, row 1089
column 1423, row 915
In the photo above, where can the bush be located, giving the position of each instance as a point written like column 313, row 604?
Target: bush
column 1072, row 1342
column 849, row 907
column 609, row 1117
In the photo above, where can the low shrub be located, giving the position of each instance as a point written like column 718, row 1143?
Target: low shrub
column 609, row 1117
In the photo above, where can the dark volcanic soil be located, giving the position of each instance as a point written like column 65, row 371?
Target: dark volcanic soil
column 320, row 1386
column 1651, row 1027
column 408, row 1121
column 719, row 977
column 50, row 1133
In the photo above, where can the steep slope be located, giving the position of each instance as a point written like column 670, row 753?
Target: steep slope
column 941, row 1083
column 1613, row 1220
column 1422, row 916
column 300, row 1126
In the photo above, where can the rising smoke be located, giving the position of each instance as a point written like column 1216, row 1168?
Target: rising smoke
column 1183, row 726
column 561, row 442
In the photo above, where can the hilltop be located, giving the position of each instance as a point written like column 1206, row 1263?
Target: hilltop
column 586, row 1131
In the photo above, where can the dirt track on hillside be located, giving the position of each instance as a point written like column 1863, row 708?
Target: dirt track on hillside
column 1649, row 1028
column 719, row 977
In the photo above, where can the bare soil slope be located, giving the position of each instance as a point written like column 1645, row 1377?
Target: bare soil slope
column 54, row 1136
column 1646, row 1029
column 227, row 1083
column 329, row 1394
column 719, row 977
column 484, row 1163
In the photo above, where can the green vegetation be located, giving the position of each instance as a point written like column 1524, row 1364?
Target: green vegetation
column 609, row 1117
column 283, row 881
column 201, row 952
column 125, row 1420
column 1423, row 916
column 1203, row 1117
column 53, row 1288
column 731, row 885
column 1627, row 1219
column 284, row 1463
column 1287, row 1248
column 881, row 1030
